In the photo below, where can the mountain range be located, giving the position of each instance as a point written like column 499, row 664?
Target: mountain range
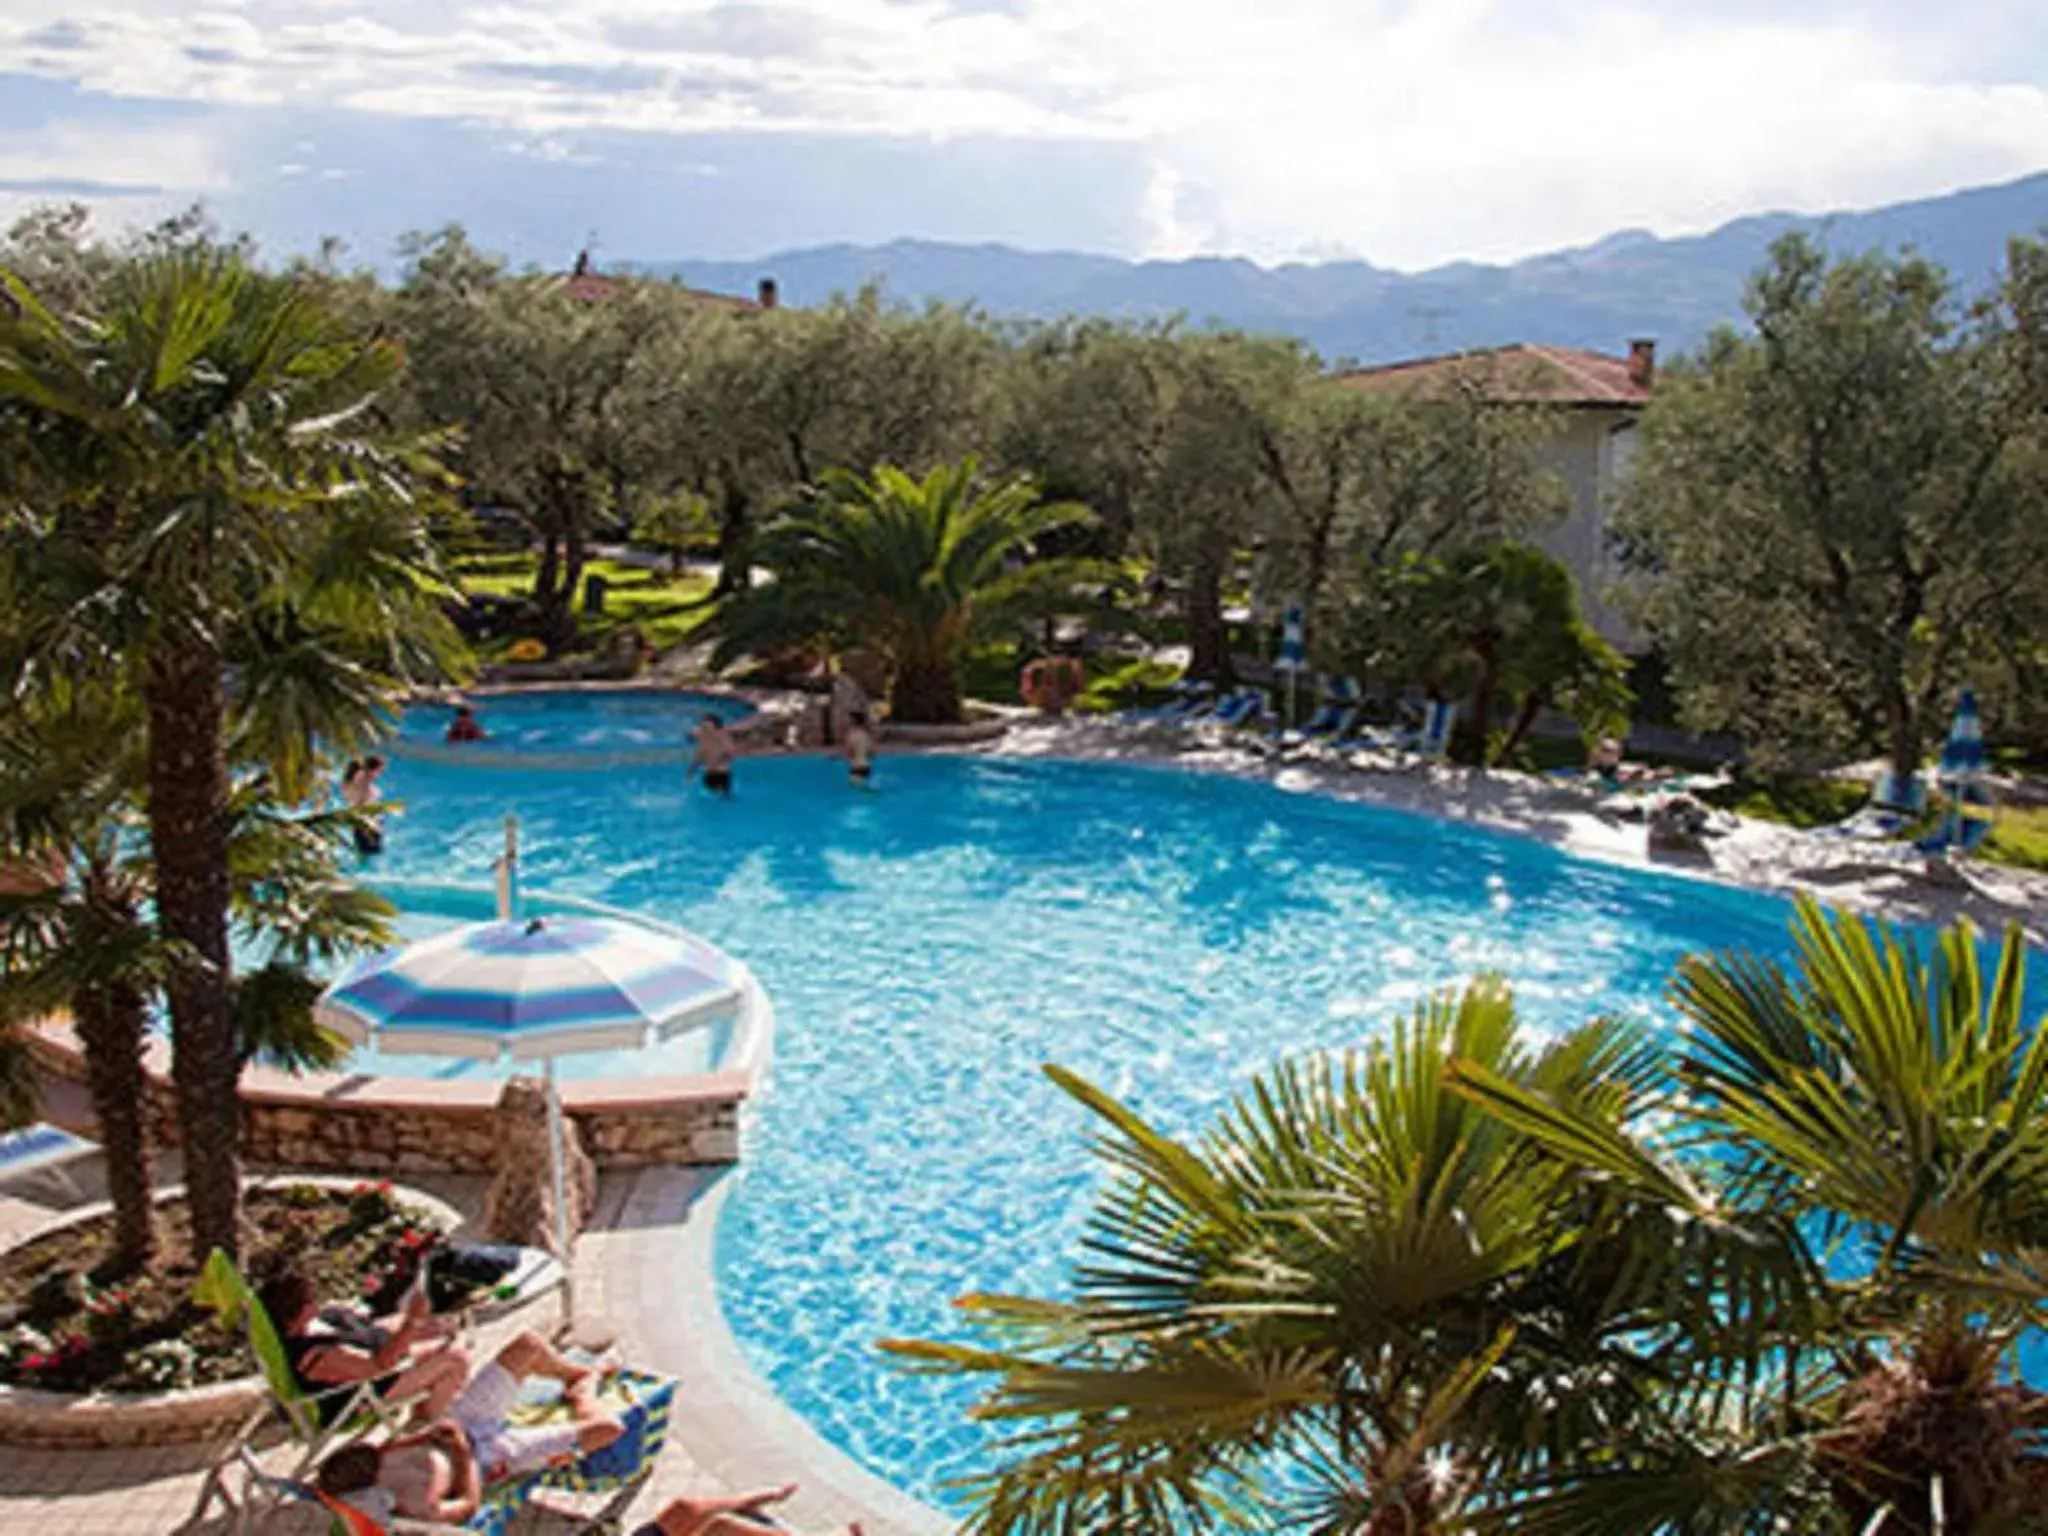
column 1628, row 284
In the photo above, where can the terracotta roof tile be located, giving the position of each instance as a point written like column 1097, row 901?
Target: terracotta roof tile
column 1521, row 374
column 598, row 286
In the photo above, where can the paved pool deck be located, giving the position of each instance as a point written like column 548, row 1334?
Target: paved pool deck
column 643, row 1277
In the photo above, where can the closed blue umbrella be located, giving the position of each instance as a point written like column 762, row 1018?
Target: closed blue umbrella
column 1293, row 656
column 1962, row 755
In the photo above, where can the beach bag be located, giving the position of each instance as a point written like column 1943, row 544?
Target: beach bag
column 457, row 1273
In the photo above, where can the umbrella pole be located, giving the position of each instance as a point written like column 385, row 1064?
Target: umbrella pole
column 560, row 1178
column 508, row 872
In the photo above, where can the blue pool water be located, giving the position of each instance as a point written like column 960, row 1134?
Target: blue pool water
column 930, row 942
column 625, row 720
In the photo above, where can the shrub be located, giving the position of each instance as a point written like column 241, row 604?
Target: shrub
column 371, row 1205
column 166, row 1365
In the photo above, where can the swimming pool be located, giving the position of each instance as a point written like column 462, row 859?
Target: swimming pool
column 594, row 721
column 929, row 943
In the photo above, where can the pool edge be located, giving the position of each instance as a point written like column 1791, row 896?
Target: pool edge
column 738, row 1428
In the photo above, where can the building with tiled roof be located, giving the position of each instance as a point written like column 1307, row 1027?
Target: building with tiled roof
column 1522, row 374
column 1599, row 397
column 584, row 281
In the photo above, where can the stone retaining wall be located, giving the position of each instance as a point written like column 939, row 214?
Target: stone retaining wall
column 392, row 1125
column 66, row 1421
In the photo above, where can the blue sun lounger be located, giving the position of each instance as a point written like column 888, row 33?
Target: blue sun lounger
column 1247, row 706
column 1958, row 834
column 1326, row 724
column 1889, row 811
column 1191, row 700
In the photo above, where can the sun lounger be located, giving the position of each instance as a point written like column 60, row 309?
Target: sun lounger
column 643, row 1403
column 1190, row 700
column 1409, row 749
column 1891, row 809
column 314, row 1422
column 1433, row 742
column 1245, row 707
column 1958, row 835
column 1326, row 724
column 44, row 1154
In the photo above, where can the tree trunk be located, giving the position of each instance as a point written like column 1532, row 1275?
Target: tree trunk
column 735, row 543
column 1902, row 731
column 112, row 1024
column 575, row 555
column 1208, row 639
column 188, row 791
column 925, row 694
column 1409, row 1510
column 1525, row 720
column 1482, row 704
column 547, row 591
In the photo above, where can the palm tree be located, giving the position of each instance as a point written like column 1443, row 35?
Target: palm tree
column 195, row 481
column 1898, row 1101
column 77, row 938
column 1890, row 1109
column 1494, row 621
column 1361, row 1303
column 915, row 569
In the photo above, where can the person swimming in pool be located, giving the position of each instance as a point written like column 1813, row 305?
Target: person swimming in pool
column 714, row 755
column 465, row 726
column 358, row 790
column 860, row 747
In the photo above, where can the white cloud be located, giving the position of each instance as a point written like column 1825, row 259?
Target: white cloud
column 1409, row 130
column 132, row 176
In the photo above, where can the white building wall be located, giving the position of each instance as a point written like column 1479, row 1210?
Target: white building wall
column 1589, row 454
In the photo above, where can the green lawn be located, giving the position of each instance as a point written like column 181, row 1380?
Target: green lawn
column 2020, row 838
column 665, row 609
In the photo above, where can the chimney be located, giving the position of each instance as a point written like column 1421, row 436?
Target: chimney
column 1642, row 362
column 766, row 292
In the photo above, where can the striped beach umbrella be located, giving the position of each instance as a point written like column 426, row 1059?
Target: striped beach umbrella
column 1962, row 755
column 534, row 990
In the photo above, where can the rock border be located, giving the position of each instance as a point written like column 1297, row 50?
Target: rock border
column 34, row 1419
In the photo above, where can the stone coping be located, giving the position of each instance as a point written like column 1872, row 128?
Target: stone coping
column 316, row 1090
column 33, row 1418
column 967, row 733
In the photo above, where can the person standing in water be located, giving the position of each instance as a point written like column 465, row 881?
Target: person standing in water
column 714, row 755
column 358, row 790
column 465, row 726
column 860, row 747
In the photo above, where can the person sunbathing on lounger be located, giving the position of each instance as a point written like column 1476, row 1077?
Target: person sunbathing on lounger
column 736, row 1514
column 440, row 1472
column 331, row 1347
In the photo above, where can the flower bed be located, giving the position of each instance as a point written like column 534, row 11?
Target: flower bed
column 72, row 1330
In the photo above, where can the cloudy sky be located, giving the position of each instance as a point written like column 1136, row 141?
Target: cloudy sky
column 1409, row 132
